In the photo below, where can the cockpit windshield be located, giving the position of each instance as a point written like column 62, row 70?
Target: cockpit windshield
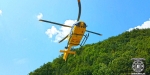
column 71, row 30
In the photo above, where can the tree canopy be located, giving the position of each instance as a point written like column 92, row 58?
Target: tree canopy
column 108, row 57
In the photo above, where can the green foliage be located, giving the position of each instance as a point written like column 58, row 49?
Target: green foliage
column 109, row 57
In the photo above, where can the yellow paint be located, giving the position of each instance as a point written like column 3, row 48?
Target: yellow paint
column 66, row 52
column 78, row 0
column 75, row 38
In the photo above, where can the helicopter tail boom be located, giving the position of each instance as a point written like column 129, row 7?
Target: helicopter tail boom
column 66, row 52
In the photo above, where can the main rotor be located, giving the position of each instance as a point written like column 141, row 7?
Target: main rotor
column 78, row 18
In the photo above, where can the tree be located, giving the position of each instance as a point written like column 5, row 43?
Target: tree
column 108, row 57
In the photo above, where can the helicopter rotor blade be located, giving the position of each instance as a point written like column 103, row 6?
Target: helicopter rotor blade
column 79, row 14
column 94, row 32
column 54, row 23
column 63, row 38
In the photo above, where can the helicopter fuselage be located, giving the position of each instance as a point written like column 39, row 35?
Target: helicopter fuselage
column 75, row 36
column 76, row 33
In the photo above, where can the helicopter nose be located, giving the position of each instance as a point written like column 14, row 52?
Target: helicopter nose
column 82, row 24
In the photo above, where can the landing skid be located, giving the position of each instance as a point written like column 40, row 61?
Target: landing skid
column 84, row 39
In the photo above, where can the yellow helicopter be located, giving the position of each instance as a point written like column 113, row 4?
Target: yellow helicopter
column 76, row 34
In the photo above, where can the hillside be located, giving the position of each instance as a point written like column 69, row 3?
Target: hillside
column 109, row 57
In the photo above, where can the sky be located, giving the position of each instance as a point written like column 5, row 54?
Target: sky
column 26, row 43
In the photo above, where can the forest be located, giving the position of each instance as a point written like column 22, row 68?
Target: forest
column 111, row 56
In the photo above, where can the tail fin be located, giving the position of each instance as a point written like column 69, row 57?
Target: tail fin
column 66, row 52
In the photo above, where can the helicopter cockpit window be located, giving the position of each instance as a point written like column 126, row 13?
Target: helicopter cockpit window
column 77, row 24
column 71, row 30
column 85, row 25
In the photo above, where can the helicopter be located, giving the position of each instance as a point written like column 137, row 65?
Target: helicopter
column 76, row 34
